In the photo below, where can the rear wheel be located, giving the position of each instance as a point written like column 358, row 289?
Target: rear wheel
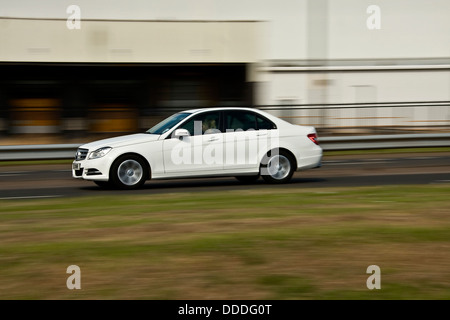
column 277, row 167
column 129, row 172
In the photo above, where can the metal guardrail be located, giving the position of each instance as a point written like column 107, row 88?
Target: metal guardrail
column 67, row 151
column 385, row 141
column 38, row 152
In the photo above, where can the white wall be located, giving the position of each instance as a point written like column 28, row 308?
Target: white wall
column 409, row 28
column 357, row 87
column 34, row 40
column 396, row 88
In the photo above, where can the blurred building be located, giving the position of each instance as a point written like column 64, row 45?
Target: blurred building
column 332, row 64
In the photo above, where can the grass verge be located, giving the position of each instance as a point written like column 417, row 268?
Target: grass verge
column 271, row 244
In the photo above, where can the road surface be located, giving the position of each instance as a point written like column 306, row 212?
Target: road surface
column 51, row 181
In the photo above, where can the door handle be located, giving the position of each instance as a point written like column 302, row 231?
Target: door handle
column 262, row 133
column 213, row 139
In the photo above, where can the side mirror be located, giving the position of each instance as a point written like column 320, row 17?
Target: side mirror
column 180, row 133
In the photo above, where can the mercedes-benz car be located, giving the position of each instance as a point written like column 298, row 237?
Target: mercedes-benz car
column 246, row 143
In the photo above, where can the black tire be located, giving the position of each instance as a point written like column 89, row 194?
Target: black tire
column 129, row 172
column 103, row 184
column 247, row 179
column 277, row 167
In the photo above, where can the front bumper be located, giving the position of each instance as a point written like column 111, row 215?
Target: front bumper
column 94, row 170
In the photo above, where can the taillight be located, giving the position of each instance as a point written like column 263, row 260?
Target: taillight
column 313, row 138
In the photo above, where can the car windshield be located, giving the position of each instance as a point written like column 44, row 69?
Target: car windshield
column 168, row 123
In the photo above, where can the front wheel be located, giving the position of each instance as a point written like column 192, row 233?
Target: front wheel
column 277, row 167
column 128, row 172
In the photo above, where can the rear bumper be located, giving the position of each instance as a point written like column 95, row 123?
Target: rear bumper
column 312, row 161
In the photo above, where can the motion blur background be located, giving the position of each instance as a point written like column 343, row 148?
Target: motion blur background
column 312, row 62
column 130, row 64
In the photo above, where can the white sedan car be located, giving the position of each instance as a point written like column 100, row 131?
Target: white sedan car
column 245, row 143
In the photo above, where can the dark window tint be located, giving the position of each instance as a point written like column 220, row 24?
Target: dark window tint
column 263, row 123
column 240, row 120
column 246, row 120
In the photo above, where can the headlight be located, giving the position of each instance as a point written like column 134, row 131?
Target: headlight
column 99, row 153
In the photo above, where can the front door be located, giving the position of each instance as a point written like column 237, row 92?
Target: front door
column 201, row 153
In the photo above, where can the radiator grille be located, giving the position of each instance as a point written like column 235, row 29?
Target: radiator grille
column 81, row 154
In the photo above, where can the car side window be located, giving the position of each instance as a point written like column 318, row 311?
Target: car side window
column 203, row 123
column 240, row 120
column 246, row 120
column 264, row 124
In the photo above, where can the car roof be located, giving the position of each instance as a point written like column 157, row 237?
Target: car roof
column 219, row 109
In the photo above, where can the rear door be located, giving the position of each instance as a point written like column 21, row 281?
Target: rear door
column 247, row 137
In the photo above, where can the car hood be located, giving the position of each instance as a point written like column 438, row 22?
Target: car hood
column 121, row 141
